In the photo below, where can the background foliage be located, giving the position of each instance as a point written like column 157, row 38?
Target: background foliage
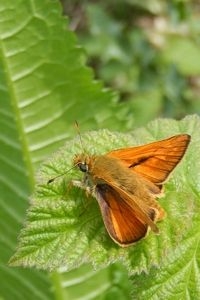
column 146, row 50
column 149, row 53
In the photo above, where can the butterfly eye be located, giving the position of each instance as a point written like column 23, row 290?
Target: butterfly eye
column 83, row 167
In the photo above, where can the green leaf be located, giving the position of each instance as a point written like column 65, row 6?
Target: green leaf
column 65, row 228
column 178, row 277
column 44, row 87
column 85, row 282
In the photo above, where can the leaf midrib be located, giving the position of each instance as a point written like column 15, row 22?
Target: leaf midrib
column 22, row 139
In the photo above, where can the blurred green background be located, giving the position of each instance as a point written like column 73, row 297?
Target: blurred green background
column 149, row 51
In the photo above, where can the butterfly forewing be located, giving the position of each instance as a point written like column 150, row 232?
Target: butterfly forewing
column 154, row 161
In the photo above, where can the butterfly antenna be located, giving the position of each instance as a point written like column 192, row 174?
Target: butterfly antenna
column 79, row 134
column 81, row 142
column 60, row 175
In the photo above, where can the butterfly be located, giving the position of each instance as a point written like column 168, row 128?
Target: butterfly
column 126, row 183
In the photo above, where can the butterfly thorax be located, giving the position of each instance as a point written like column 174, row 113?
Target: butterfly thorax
column 100, row 169
column 111, row 169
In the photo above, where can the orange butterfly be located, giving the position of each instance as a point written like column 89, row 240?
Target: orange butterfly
column 127, row 181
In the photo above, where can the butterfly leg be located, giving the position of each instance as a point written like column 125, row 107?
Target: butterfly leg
column 88, row 190
column 81, row 185
column 84, row 186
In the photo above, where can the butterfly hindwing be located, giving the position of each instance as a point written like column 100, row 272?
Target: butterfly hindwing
column 121, row 222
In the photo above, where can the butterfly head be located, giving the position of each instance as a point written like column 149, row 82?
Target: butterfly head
column 82, row 161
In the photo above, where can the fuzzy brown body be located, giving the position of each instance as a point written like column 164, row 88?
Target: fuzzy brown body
column 113, row 170
column 126, row 182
